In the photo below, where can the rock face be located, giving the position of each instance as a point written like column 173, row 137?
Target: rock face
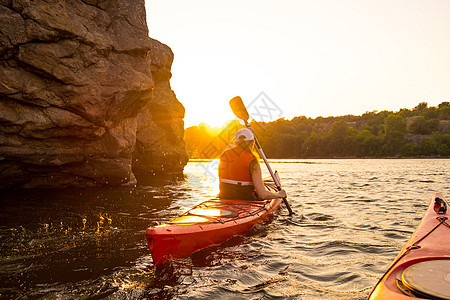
column 160, row 147
column 77, row 86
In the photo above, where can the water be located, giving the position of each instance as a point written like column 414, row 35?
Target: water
column 353, row 218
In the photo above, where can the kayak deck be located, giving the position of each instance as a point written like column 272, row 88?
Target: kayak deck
column 426, row 252
column 219, row 211
column 209, row 223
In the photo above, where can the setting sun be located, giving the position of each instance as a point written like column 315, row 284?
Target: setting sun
column 213, row 86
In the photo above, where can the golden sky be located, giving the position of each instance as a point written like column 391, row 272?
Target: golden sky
column 308, row 57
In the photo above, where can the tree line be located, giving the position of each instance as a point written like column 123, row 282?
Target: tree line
column 419, row 132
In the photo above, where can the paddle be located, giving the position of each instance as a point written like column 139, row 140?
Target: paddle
column 238, row 108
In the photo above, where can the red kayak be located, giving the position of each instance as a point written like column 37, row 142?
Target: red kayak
column 422, row 269
column 209, row 223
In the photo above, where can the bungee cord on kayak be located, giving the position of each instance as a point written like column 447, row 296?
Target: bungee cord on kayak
column 234, row 211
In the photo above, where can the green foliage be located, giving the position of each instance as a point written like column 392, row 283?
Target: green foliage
column 406, row 133
column 395, row 131
column 421, row 107
column 444, row 110
column 408, row 150
column 367, row 144
column 395, row 125
column 427, row 146
column 443, row 144
column 422, row 126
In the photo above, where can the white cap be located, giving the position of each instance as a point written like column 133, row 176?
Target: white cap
column 246, row 133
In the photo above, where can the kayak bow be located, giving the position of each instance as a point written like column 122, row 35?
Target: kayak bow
column 422, row 269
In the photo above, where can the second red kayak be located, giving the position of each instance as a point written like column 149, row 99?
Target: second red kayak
column 209, row 223
column 422, row 269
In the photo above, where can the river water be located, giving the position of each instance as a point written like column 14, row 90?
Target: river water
column 353, row 217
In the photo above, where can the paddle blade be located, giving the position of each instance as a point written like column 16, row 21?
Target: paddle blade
column 238, row 108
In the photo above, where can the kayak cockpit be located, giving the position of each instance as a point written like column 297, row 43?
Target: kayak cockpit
column 427, row 279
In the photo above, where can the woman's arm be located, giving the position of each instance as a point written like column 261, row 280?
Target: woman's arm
column 263, row 193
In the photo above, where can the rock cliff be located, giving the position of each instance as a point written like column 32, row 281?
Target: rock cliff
column 85, row 98
column 160, row 147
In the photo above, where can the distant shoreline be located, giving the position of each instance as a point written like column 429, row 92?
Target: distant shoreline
column 200, row 160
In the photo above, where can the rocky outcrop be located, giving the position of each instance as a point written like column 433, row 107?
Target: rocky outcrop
column 160, row 147
column 76, row 87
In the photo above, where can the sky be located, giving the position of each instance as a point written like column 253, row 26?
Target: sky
column 305, row 57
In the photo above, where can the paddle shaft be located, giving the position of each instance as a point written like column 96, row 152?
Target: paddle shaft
column 275, row 179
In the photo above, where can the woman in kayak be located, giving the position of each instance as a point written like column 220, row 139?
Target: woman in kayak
column 240, row 174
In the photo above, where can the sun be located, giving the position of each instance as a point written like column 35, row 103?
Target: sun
column 213, row 113
column 204, row 83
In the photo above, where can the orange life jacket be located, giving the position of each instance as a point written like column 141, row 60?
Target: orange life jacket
column 234, row 175
column 234, row 166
